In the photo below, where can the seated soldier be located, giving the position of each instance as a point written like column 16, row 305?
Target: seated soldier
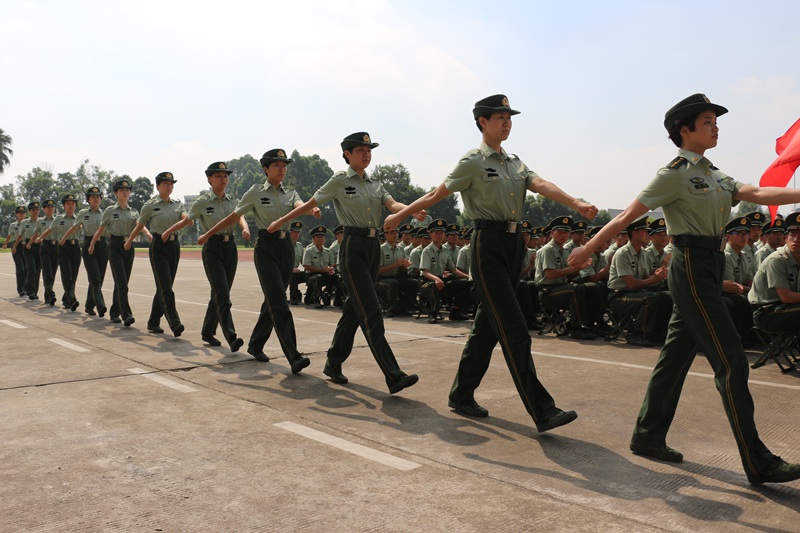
column 631, row 280
column 394, row 284
column 451, row 239
column 577, row 236
column 658, row 252
column 553, row 277
column 441, row 277
column 757, row 220
column 298, row 275
column 405, row 236
column 738, row 278
column 774, row 237
column 620, row 240
column 597, row 271
column 318, row 263
column 775, row 294
column 527, row 291
column 416, row 254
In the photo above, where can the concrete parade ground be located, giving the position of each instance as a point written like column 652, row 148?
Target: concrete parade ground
column 107, row 428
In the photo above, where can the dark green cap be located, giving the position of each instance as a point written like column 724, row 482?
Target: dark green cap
column 93, row 191
column 560, row 223
column 218, row 166
column 318, row 230
column 68, row 198
column 122, row 184
column 48, row 203
column 689, row 106
column 452, row 228
column 296, row 226
column 757, row 218
column 658, row 225
column 359, row 138
column 777, row 226
column 497, row 103
column 438, row 224
column 792, row 221
column 637, row 224
column 338, row 229
column 20, row 209
column 738, row 224
column 578, row 226
column 276, row 154
column 33, row 205
column 165, row 176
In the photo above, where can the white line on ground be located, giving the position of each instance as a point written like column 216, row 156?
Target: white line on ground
column 162, row 380
column 351, row 447
column 13, row 324
column 65, row 344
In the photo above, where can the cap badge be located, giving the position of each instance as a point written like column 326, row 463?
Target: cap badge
column 706, row 100
column 124, row 183
column 743, row 221
column 222, row 165
column 504, row 101
column 366, row 138
column 281, row 153
column 168, row 175
column 565, row 221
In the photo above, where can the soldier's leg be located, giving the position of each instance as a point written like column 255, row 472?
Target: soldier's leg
column 19, row 271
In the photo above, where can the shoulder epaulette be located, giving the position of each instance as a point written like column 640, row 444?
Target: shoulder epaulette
column 678, row 162
column 340, row 174
column 472, row 153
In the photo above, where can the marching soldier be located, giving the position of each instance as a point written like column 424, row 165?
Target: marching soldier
column 19, row 260
column 69, row 253
column 30, row 249
column 48, row 252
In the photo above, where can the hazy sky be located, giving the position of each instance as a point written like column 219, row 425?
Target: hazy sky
column 141, row 87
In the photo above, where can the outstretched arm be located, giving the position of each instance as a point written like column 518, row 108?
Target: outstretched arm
column 417, row 206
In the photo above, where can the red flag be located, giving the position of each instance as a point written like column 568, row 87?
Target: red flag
column 783, row 168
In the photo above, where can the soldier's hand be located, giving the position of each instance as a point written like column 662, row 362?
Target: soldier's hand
column 246, row 234
column 149, row 236
column 390, row 223
column 91, row 249
column 439, row 284
column 587, row 210
column 127, row 245
column 201, row 240
column 61, row 242
column 164, row 237
column 579, row 258
column 316, row 213
column 275, row 226
column 420, row 215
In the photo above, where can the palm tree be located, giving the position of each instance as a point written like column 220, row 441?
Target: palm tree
column 5, row 150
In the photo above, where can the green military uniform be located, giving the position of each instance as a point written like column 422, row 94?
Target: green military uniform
column 696, row 198
column 358, row 202
column 159, row 215
column 527, row 290
column 739, row 269
column 399, row 290
column 48, row 253
column 298, row 276
column 33, row 261
column 321, row 284
column 18, row 254
column 119, row 222
column 69, row 254
column 776, row 227
column 220, row 257
column 437, row 260
column 274, row 259
column 493, row 187
column 96, row 262
column 577, row 236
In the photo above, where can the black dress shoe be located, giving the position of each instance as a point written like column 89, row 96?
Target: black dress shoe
column 177, row 330
column 299, row 364
column 155, row 329
column 74, row 305
column 336, row 377
column 662, row 453
column 432, row 320
column 402, row 383
column 128, row 321
column 779, row 471
column 469, row 408
column 33, row 297
column 213, row 341
column 237, row 343
column 90, row 312
column 101, row 311
column 116, row 320
column 258, row 354
column 52, row 301
column 555, row 418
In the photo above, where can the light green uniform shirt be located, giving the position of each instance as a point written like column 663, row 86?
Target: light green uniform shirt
column 408, row 249
column 13, row 229
column 390, row 254
column 299, row 250
column 61, row 224
column 313, row 256
column 526, row 260
column 737, row 266
column 696, row 196
column 627, row 262
column 334, row 248
column 778, row 271
column 551, row 256
column 610, row 251
column 464, row 261
column 415, row 256
column 159, row 215
column 90, row 220
column 268, row 204
column 654, row 257
column 492, row 185
column 42, row 225
column 762, row 253
column 436, row 259
column 598, row 263
column 358, row 202
column 27, row 228
column 118, row 221
column 208, row 209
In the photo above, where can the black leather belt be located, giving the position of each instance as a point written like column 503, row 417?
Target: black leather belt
column 280, row 234
column 48, row 241
column 361, row 232
column 172, row 237
column 122, row 238
column 223, row 238
column 509, row 226
column 700, row 241
column 71, row 242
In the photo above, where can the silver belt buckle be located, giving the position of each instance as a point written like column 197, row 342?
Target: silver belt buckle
column 512, row 227
column 226, row 238
column 372, row 232
column 282, row 234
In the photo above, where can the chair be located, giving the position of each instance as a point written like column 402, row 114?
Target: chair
column 780, row 345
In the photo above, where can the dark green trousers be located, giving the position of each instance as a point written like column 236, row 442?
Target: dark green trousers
column 359, row 260
column 220, row 260
column 69, row 262
column 400, row 292
column 121, row 262
column 19, row 270
column 700, row 320
column 49, row 258
column 33, row 267
column 164, row 259
column 778, row 317
column 651, row 310
column 95, row 265
column 585, row 301
column 274, row 260
column 496, row 266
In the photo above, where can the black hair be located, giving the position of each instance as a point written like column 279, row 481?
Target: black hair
column 675, row 128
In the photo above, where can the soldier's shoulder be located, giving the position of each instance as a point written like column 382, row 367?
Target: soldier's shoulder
column 474, row 154
column 677, row 165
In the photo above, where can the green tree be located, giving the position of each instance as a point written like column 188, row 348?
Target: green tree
column 5, row 150
column 305, row 175
column 8, row 204
column 38, row 184
column 143, row 190
column 246, row 173
column 748, row 207
column 541, row 210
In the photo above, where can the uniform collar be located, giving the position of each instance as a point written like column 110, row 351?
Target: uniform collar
column 693, row 158
column 789, row 256
column 116, row 204
column 488, row 151
column 353, row 174
column 268, row 185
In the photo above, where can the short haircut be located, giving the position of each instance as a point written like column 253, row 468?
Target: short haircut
column 675, row 129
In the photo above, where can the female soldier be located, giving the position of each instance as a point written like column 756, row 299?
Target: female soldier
column 358, row 199
column 19, row 261
column 493, row 184
column 220, row 257
column 88, row 220
column 696, row 198
column 160, row 213
column 273, row 256
column 119, row 219
column 69, row 253
column 33, row 263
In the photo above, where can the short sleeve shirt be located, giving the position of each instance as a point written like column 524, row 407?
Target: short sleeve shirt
column 208, row 209
column 778, row 271
column 90, row 220
column 358, row 201
column 464, row 261
column 627, row 262
column 390, row 254
column 13, row 228
column 737, row 266
column 299, row 250
column 436, row 259
column 492, row 184
column 27, row 228
column 551, row 256
column 42, row 225
column 118, row 221
column 415, row 256
column 268, row 204
column 696, row 197
column 762, row 253
column 159, row 215
column 313, row 256
column 61, row 224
